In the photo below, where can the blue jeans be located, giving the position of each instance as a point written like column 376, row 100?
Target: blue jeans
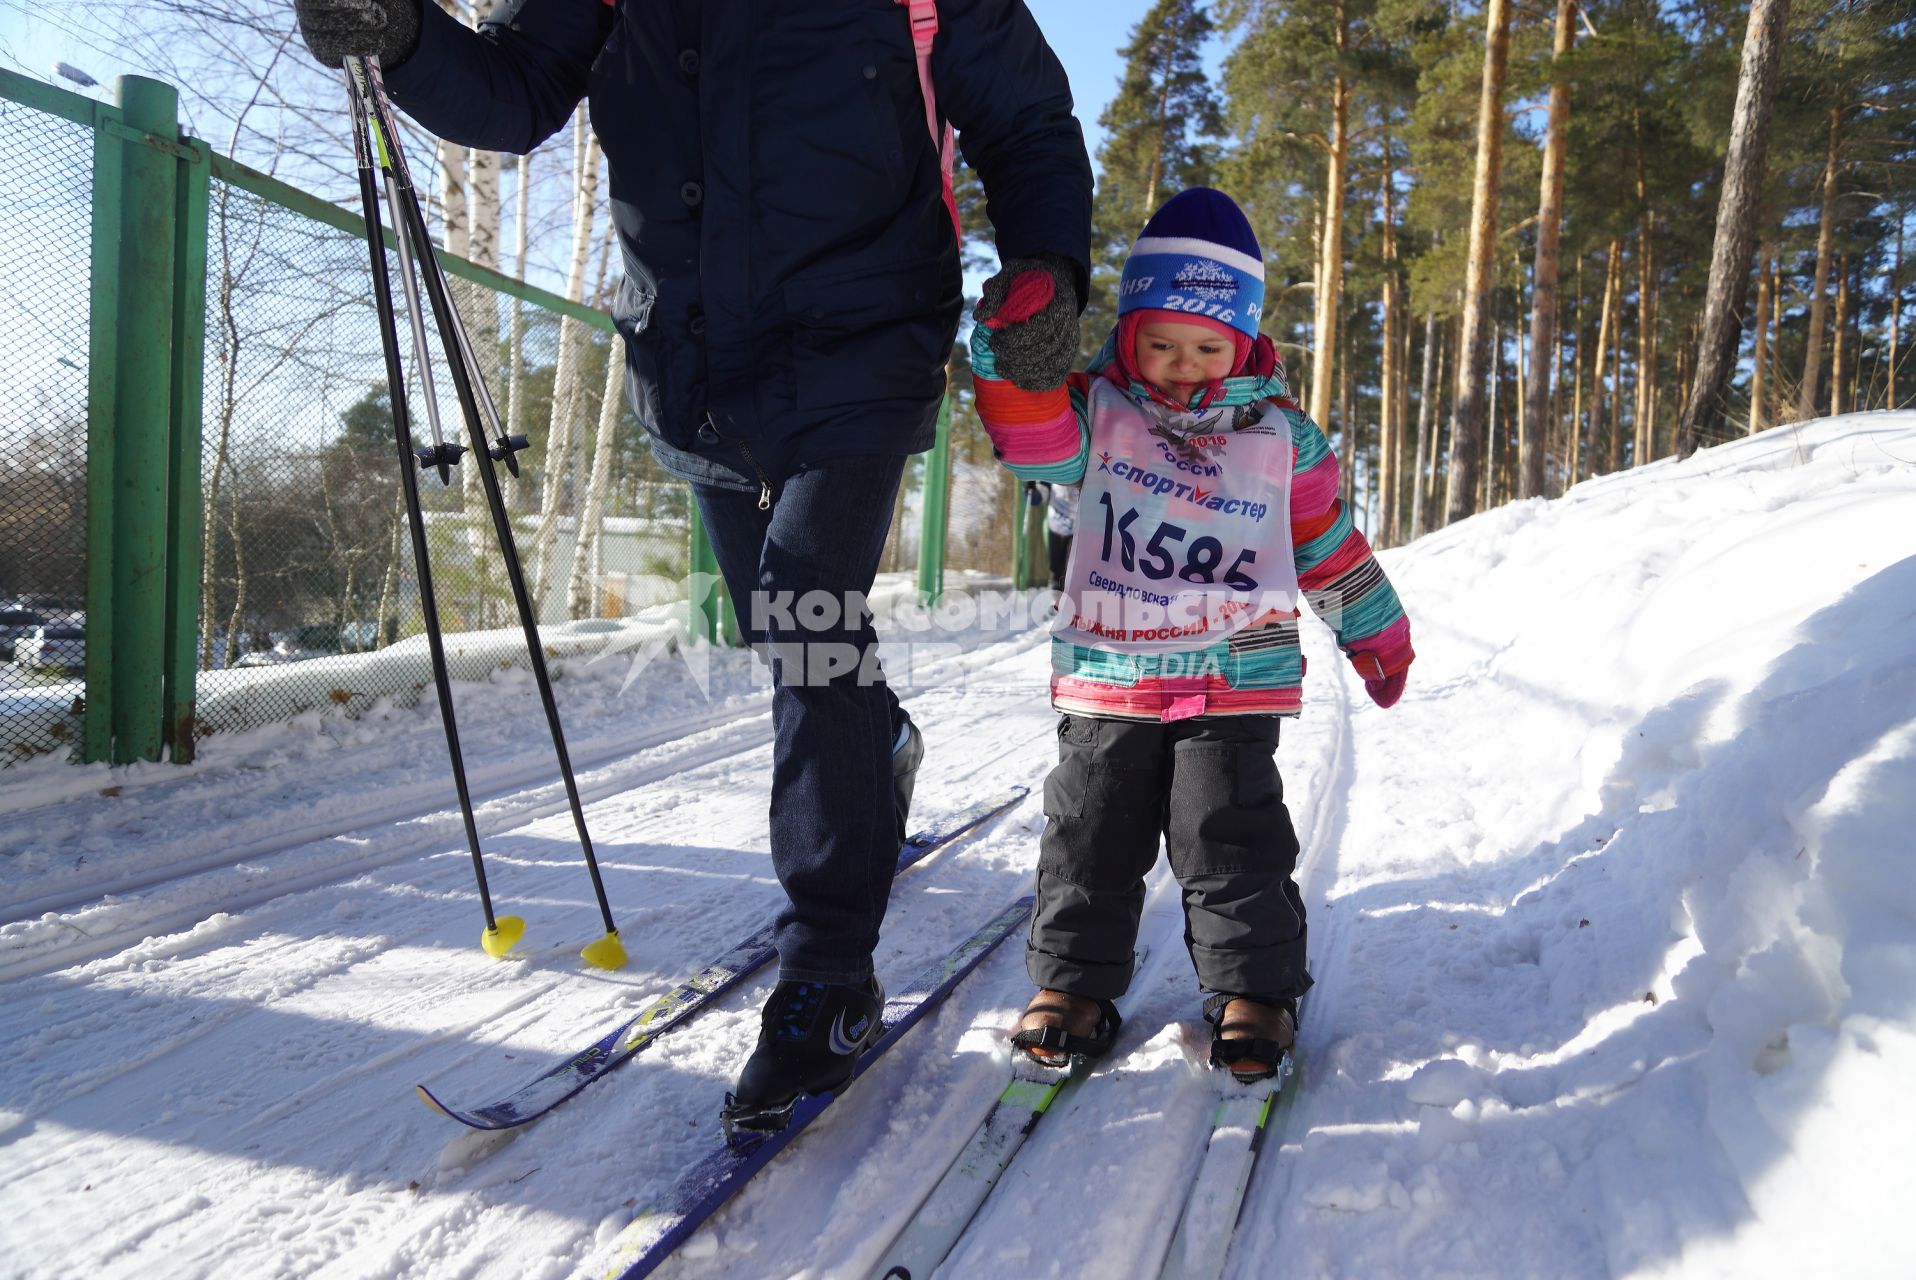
column 834, row 719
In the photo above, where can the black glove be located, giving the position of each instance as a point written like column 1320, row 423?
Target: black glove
column 336, row 30
column 1031, row 307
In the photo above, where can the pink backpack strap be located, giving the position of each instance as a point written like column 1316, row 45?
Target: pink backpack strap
column 924, row 30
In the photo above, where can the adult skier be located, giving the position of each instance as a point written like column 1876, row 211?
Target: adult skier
column 790, row 298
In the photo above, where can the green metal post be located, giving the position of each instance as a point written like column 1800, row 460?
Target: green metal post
column 705, row 597
column 931, row 536
column 728, row 617
column 183, row 517
column 103, row 370
column 143, row 352
column 720, row 620
column 1037, row 562
column 1020, row 545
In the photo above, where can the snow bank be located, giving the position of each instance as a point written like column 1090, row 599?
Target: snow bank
column 1613, row 920
column 1618, row 948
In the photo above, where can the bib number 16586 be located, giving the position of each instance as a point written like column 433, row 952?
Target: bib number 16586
column 1159, row 561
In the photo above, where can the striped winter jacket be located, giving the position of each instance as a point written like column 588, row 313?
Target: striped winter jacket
column 1050, row 436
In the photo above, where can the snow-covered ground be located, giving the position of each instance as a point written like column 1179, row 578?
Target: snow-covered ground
column 1613, row 925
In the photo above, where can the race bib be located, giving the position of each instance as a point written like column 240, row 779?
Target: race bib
column 1184, row 526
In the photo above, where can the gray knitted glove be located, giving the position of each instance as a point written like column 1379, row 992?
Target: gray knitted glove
column 336, row 30
column 1031, row 307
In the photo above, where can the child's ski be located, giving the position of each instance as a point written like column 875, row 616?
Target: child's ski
column 716, row 1177
column 1238, row 1127
column 677, row 1006
column 937, row 1224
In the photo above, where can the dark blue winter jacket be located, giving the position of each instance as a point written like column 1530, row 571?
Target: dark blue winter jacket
column 791, row 282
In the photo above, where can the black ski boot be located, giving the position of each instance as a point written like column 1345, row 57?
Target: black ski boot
column 809, row 1039
column 906, row 753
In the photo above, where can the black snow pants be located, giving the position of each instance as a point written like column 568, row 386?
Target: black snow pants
column 1210, row 788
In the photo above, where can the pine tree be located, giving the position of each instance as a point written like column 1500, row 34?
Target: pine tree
column 1474, row 353
column 1543, row 312
column 1160, row 135
column 1736, row 219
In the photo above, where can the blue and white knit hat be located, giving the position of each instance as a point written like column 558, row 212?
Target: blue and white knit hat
column 1198, row 255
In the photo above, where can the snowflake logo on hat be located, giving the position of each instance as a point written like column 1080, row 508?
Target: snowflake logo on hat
column 1203, row 278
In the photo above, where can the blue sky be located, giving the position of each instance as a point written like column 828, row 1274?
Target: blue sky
column 1085, row 33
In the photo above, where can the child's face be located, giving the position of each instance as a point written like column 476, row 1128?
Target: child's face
column 1180, row 358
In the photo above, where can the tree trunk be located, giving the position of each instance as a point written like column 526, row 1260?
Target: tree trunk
column 1806, row 396
column 1467, row 426
column 454, row 162
column 1164, row 113
column 1406, row 447
column 1574, row 438
column 1428, row 388
column 1643, row 449
column 1759, row 358
column 1543, row 302
column 1838, row 347
column 1650, row 362
column 1600, row 363
column 389, row 581
column 1895, row 307
column 1352, row 446
column 1519, row 404
column 1330, row 267
column 588, row 552
column 1440, row 417
column 515, row 354
column 1492, row 428
column 1612, row 275
column 566, row 377
column 1736, row 208
column 1387, row 391
column 470, row 182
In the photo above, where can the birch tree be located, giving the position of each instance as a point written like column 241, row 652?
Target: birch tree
column 567, row 379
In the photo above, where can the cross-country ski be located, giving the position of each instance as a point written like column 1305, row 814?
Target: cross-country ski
column 683, row 1002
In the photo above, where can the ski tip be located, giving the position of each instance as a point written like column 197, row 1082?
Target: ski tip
column 425, row 1096
column 505, row 932
column 607, row 953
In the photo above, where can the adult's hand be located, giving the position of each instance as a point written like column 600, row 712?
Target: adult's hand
column 1031, row 307
column 335, row 30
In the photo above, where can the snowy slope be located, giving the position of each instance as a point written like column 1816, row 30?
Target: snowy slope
column 1613, row 920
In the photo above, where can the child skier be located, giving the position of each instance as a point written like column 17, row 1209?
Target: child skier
column 1209, row 504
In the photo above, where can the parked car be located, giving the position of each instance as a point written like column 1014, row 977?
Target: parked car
column 54, row 646
column 14, row 625
column 315, row 640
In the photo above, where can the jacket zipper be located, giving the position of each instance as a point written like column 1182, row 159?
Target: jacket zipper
column 764, row 481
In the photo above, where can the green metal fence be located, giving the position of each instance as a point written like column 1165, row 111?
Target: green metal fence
column 200, row 529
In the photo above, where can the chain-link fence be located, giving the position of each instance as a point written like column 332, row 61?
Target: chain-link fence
column 46, row 193
column 307, row 565
column 290, row 581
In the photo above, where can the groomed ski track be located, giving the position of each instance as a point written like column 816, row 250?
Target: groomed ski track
column 251, row 1073
column 262, row 1060
column 1604, row 918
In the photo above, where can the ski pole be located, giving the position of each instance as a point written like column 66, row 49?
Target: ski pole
column 606, row 952
column 500, row 933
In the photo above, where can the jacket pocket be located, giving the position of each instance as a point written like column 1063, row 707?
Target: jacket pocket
column 873, row 334
column 657, row 364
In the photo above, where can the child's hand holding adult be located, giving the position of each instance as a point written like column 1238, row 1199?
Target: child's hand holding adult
column 1031, row 307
